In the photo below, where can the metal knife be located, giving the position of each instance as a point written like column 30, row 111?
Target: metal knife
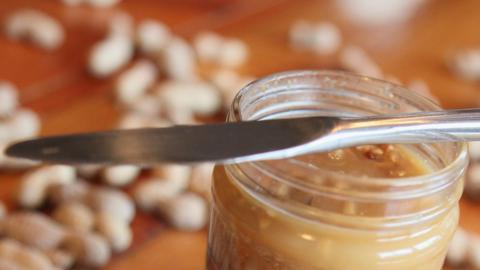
column 249, row 141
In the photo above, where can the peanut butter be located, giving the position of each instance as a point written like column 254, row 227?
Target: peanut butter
column 249, row 233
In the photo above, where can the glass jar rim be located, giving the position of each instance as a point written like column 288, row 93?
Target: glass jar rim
column 453, row 168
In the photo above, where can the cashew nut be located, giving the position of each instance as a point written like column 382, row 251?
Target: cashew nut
column 33, row 229
column 75, row 215
column 34, row 186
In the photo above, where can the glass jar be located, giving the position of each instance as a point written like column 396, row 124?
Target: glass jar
column 289, row 214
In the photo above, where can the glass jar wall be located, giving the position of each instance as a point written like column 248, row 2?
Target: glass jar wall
column 389, row 207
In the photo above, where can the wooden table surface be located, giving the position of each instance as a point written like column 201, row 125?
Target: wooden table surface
column 57, row 86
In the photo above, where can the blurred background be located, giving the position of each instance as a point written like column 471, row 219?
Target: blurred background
column 74, row 66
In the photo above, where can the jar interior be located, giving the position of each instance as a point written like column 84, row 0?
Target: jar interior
column 313, row 191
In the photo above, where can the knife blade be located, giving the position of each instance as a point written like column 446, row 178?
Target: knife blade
column 221, row 143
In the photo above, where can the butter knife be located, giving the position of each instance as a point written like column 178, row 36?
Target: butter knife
column 250, row 140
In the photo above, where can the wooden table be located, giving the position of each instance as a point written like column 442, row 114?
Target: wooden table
column 57, row 86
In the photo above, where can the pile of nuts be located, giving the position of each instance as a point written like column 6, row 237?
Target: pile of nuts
column 177, row 193
column 185, row 93
column 16, row 123
column 88, row 223
column 325, row 38
column 161, row 189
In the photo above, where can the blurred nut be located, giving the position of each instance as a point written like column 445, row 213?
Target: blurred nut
column 466, row 64
column 36, row 26
column 150, row 192
column 109, row 55
column 207, row 46
column 8, row 98
column 15, row 255
column 357, row 60
column 117, row 232
column 34, row 185
column 33, row 229
column 201, row 181
column 152, row 36
column 133, row 83
column 88, row 249
column 458, row 248
column 60, row 259
column 74, row 215
column 113, row 201
column 60, row 193
column 186, row 212
column 120, row 175
column 197, row 97
column 322, row 38
column 178, row 60
column 472, row 181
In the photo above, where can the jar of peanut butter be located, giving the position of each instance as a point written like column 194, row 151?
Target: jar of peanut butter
column 371, row 207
